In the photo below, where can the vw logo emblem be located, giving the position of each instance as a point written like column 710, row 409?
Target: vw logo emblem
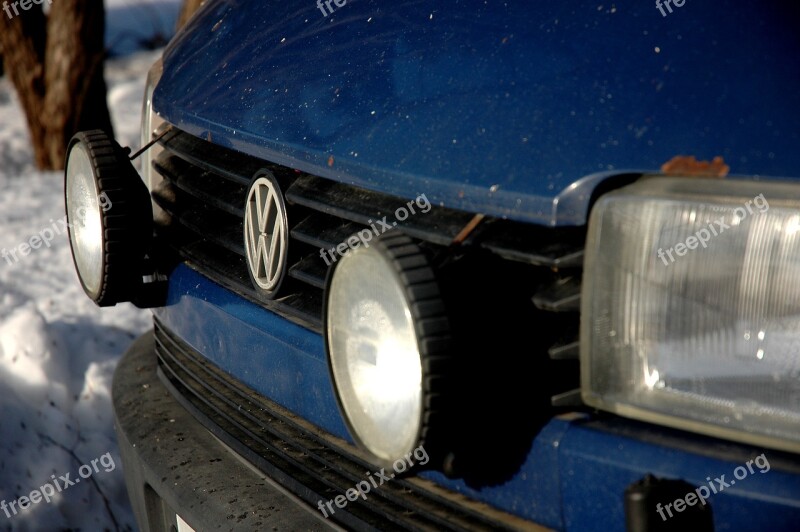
column 266, row 236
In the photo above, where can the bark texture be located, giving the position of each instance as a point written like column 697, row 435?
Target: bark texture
column 55, row 63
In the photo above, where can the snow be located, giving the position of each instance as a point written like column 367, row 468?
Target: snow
column 58, row 350
column 135, row 24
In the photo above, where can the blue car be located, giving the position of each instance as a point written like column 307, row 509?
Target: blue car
column 458, row 266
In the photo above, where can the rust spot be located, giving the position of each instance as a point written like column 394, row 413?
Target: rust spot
column 330, row 160
column 688, row 165
column 467, row 230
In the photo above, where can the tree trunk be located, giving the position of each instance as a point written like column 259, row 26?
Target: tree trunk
column 187, row 10
column 23, row 40
column 56, row 66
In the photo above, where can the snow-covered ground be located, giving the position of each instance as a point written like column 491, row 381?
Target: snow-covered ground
column 135, row 24
column 57, row 350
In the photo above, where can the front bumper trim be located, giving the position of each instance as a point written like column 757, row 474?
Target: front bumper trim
column 174, row 465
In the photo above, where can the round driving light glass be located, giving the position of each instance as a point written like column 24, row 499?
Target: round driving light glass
column 109, row 218
column 376, row 351
column 83, row 213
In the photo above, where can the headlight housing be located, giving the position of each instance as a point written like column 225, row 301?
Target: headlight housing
column 387, row 339
column 691, row 307
column 151, row 122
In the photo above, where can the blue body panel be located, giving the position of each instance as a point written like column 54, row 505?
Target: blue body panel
column 595, row 467
column 575, row 475
column 514, row 109
column 271, row 355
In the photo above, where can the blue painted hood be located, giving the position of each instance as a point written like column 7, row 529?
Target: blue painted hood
column 515, row 109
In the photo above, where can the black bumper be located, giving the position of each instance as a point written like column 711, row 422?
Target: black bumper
column 175, row 466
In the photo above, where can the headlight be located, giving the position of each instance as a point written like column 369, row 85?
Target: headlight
column 385, row 331
column 150, row 123
column 691, row 307
column 84, row 214
column 109, row 218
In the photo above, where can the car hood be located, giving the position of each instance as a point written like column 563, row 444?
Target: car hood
column 516, row 109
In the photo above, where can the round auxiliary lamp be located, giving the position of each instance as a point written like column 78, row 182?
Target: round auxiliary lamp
column 109, row 217
column 388, row 342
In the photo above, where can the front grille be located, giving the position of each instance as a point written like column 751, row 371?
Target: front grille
column 203, row 194
column 512, row 290
column 311, row 464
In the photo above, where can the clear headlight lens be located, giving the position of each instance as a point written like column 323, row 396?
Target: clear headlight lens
column 691, row 307
column 373, row 353
column 109, row 218
column 83, row 208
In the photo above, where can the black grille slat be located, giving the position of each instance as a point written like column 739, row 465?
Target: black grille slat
column 554, row 248
column 555, row 256
column 563, row 295
column 324, row 231
column 203, row 185
column 311, row 270
column 209, row 157
column 201, row 219
column 438, row 226
column 565, row 351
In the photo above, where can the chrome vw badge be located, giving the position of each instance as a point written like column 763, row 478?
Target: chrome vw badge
column 266, row 236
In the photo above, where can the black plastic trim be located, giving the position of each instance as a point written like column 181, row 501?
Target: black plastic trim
column 307, row 461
